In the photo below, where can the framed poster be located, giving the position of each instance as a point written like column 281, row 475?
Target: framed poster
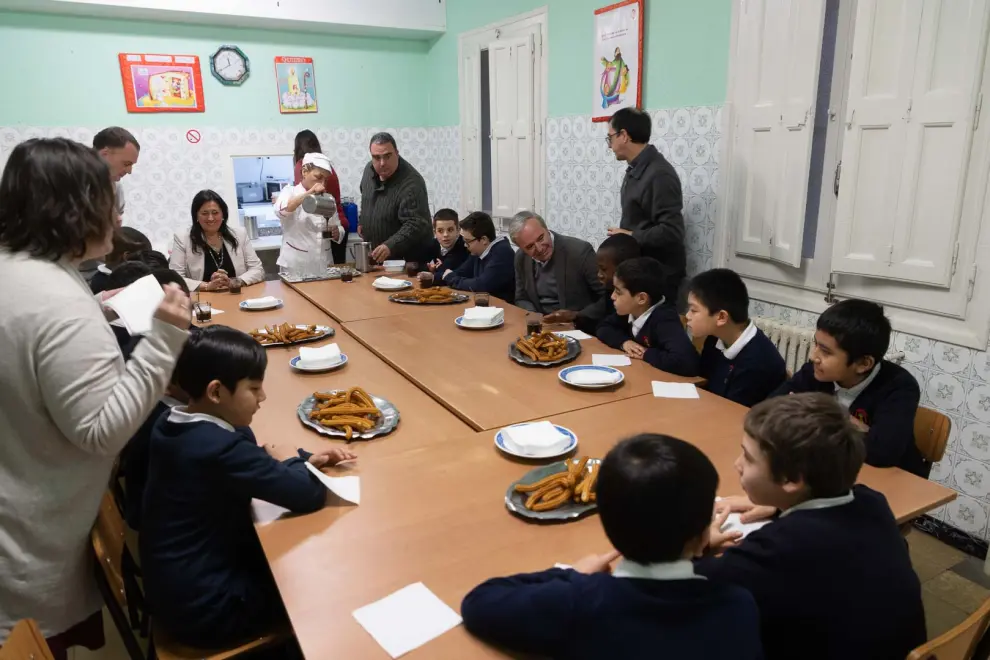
column 296, row 81
column 617, row 58
column 162, row 83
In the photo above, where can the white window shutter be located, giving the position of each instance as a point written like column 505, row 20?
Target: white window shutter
column 911, row 105
column 779, row 49
column 510, row 70
column 471, row 125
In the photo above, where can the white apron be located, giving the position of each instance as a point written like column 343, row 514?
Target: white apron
column 303, row 245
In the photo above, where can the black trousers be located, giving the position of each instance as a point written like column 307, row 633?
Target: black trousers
column 339, row 250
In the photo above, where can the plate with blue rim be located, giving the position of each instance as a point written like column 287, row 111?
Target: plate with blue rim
column 275, row 304
column 570, row 510
column 500, row 443
column 294, row 363
column 460, row 324
column 564, row 373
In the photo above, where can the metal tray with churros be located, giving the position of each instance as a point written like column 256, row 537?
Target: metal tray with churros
column 437, row 295
column 349, row 414
column 559, row 492
column 545, row 349
column 285, row 334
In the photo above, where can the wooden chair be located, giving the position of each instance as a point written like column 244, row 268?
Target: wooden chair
column 960, row 642
column 124, row 598
column 25, row 643
column 931, row 433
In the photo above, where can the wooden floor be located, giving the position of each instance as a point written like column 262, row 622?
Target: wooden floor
column 953, row 586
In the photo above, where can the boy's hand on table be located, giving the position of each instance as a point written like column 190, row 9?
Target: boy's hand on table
column 331, row 456
column 748, row 511
column 633, row 350
column 596, row 563
column 718, row 540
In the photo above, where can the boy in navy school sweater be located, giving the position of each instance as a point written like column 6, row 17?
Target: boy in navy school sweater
column 652, row 605
column 447, row 250
column 881, row 397
column 739, row 361
column 491, row 267
column 831, row 575
column 643, row 325
column 206, row 578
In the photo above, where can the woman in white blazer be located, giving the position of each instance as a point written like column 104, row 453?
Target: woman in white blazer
column 212, row 253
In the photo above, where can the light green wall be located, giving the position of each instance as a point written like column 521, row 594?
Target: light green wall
column 63, row 71
column 685, row 52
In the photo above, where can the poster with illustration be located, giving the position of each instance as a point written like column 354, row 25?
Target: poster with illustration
column 617, row 58
column 296, row 80
column 162, row 83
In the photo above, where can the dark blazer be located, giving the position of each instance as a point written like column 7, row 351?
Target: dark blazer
column 493, row 274
column 565, row 614
column 748, row 378
column 888, row 406
column 592, row 316
column 667, row 345
column 576, row 271
column 831, row 584
column 455, row 256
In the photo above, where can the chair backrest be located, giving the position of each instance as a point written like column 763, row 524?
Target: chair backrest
column 25, row 643
column 931, row 433
column 958, row 643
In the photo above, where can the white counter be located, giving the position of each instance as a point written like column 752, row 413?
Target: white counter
column 267, row 243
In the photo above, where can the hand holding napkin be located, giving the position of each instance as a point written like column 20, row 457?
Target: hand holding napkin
column 136, row 305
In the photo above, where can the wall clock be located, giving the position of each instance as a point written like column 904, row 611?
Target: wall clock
column 230, row 65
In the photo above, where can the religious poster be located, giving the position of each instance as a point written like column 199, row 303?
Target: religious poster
column 162, row 83
column 617, row 58
column 296, row 80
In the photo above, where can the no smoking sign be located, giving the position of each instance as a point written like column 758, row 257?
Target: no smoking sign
column 193, row 136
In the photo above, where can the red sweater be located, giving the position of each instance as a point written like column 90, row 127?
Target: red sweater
column 332, row 184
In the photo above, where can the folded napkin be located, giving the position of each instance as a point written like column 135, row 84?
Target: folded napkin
column 136, row 305
column 255, row 303
column 483, row 316
column 394, row 266
column 593, row 377
column 323, row 356
column 535, row 439
column 390, row 283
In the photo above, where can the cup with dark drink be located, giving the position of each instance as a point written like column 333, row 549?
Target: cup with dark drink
column 347, row 275
column 412, row 268
column 426, row 280
column 235, row 285
column 481, row 300
column 204, row 311
column 534, row 324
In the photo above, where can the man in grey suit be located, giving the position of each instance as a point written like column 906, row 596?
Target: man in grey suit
column 556, row 275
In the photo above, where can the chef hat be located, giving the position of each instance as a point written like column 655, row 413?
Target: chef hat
column 318, row 160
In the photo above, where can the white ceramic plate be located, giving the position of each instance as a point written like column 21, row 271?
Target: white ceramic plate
column 567, row 371
column 273, row 305
column 500, row 443
column 294, row 363
column 407, row 285
column 460, row 324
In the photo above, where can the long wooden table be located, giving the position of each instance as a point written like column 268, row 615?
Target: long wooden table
column 356, row 300
column 432, row 506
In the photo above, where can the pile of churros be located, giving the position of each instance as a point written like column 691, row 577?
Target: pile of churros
column 351, row 410
column 542, row 347
column 285, row 334
column 554, row 491
column 433, row 295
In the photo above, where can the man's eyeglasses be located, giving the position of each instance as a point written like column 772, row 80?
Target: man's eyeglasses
column 608, row 138
column 469, row 241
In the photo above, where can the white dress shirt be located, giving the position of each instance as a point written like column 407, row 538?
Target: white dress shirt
column 682, row 569
column 820, row 503
column 731, row 352
column 181, row 415
column 637, row 324
column 846, row 397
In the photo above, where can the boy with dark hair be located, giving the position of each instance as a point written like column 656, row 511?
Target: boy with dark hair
column 642, row 325
column 738, row 360
column 127, row 244
column 447, row 250
column 882, row 398
column 831, row 575
column 652, row 605
column 491, row 266
column 205, row 574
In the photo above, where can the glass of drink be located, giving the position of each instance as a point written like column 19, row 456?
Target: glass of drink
column 412, row 268
column 481, row 300
column 204, row 312
column 235, row 285
column 346, row 275
column 534, row 324
column 425, row 280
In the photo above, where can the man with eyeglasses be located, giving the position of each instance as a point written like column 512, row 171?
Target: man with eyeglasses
column 651, row 197
column 395, row 209
column 556, row 275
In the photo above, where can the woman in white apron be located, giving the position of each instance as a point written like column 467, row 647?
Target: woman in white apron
column 305, row 251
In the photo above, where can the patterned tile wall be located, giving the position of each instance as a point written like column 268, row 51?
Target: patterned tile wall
column 171, row 171
column 584, row 178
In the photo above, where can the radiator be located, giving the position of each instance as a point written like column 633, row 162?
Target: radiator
column 795, row 342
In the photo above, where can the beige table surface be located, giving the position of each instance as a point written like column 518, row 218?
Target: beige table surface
column 357, row 300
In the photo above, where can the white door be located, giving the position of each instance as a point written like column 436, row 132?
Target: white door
column 471, row 128
column 510, row 71
column 911, row 106
column 779, row 49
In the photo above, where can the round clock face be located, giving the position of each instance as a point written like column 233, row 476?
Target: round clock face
column 229, row 65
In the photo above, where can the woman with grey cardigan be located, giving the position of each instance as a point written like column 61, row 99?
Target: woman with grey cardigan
column 68, row 401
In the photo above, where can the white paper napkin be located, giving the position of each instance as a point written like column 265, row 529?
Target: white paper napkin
column 674, row 390
column 136, row 305
column 734, row 524
column 574, row 334
column 407, row 619
column 593, row 377
column 346, row 488
column 254, row 303
column 601, row 360
column 537, row 438
column 483, row 316
column 390, row 283
column 319, row 357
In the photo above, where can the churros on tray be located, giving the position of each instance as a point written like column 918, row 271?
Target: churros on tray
column 553, row 491
column 433, row 295
column 542, row 347
column 285, row 334
column 351, row 410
